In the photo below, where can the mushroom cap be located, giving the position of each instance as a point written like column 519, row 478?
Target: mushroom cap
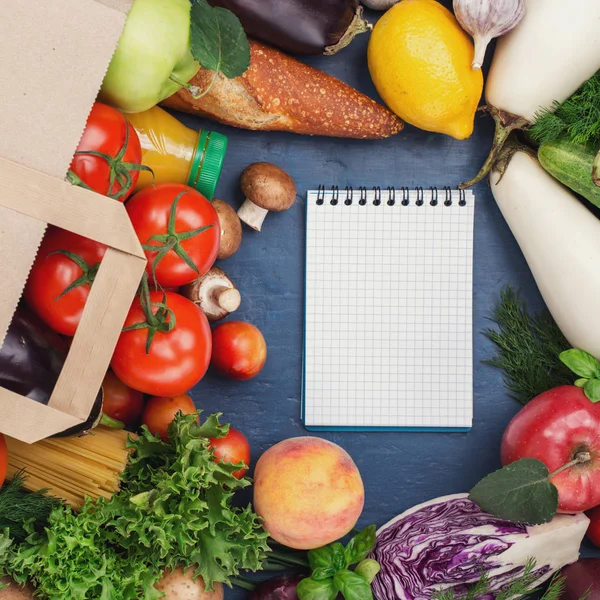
column 268, row 186
column 231, row 229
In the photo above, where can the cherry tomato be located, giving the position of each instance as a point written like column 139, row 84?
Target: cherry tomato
column 593, row 531
column 109, row 146
column 160, row 411
column 233, row 448
column 121, row 402
column 177, row 359
column 239, row 350
column 51, row 274
column 3, row 459
column 149, row 211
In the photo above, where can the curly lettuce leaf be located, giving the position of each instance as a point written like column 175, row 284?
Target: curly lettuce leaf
column 174, row 509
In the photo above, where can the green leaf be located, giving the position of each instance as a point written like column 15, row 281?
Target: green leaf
column 352, row 586
column 309, row 589
column 218, row 40
column 520, row 492
column 360, row 545
column 592, row 390
column 581, row 363
column 580, row 382
column 326, row 561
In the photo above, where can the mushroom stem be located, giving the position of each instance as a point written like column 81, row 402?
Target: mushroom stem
column 227, row 298
column 252, row 215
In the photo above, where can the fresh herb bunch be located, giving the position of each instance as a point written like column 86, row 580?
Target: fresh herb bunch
column 174, row 509
column 528, row 348
column 577, row 118
column 331, row 574
column 18, row 506
column 522, row 586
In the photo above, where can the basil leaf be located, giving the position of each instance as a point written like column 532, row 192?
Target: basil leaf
column 309, row 589
column 592, row 390
column 581, row 363
column 520, row 492
column 580, row 382
column 327, row 560
column 218, row 41
column 352, row 586
column 360, row 545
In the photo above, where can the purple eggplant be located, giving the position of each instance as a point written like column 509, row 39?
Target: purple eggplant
column 282, row 587
column 31, row 359
column 300, row 26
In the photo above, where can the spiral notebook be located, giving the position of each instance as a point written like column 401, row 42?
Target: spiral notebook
column 388, row 328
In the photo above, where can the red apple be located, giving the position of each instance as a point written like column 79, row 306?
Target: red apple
column 593, row 531
column 239, row 350
column 557, row 427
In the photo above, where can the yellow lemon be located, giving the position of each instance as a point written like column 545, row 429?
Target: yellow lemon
column 420, row 61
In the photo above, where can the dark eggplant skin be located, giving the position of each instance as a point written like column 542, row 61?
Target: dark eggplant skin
column 282, row 587
column 31, row 359
column 300, row 26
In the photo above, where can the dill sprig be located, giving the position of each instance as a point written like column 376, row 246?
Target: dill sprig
column 577, row 118
column 19, row 507
column 528, row 347
column 519, row 587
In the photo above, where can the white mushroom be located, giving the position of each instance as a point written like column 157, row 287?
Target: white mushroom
column 231, row 229
column 214, row 293
column 266, row 188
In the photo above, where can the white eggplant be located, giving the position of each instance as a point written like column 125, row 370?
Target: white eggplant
column 545, row 58
column 560, row 239
column 554, row 49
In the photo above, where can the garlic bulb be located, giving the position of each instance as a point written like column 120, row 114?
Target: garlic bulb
column 379, row 4
column 486, row 20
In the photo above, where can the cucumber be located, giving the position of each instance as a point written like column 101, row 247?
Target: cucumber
column 572, row 165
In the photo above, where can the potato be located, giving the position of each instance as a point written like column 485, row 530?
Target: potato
column 15, row 592
column 180, row 585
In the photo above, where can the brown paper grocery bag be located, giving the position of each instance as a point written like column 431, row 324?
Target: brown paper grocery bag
column 54, row 55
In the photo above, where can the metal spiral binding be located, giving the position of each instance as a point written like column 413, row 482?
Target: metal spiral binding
column 335, row 195
column 363, row 196
column 377, row 200
column 420, row 197
column 434, row 199
column 349, row 194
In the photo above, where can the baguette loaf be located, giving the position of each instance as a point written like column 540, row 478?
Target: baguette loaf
column 280, row 93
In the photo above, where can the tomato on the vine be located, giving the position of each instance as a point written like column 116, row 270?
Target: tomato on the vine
column 108, row 158
column 165, row 346
column 161, row 410
column 121, row 402
column 61, row 277
column 233, row 448
column 184, row 228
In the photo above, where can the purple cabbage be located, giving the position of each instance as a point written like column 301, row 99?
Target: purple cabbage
column 449, row 542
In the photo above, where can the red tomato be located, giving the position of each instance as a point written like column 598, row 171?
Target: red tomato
column 117, row 152
column 3, row 459
column 593, row 531
column 554, row 428
column 177, row 359
column 149, row 213
column 52, row 274
column 160, row 411
column 239, row 350
column 233, row 448
column 121, row 402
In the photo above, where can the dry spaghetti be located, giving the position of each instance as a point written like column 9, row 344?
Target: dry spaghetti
column 72, row 468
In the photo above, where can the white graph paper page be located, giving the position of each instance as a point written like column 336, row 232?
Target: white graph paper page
column 388, row 339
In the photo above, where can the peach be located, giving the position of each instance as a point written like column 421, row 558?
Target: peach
column 308, row 491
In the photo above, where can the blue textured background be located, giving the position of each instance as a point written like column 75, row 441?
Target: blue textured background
column 399, row 469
